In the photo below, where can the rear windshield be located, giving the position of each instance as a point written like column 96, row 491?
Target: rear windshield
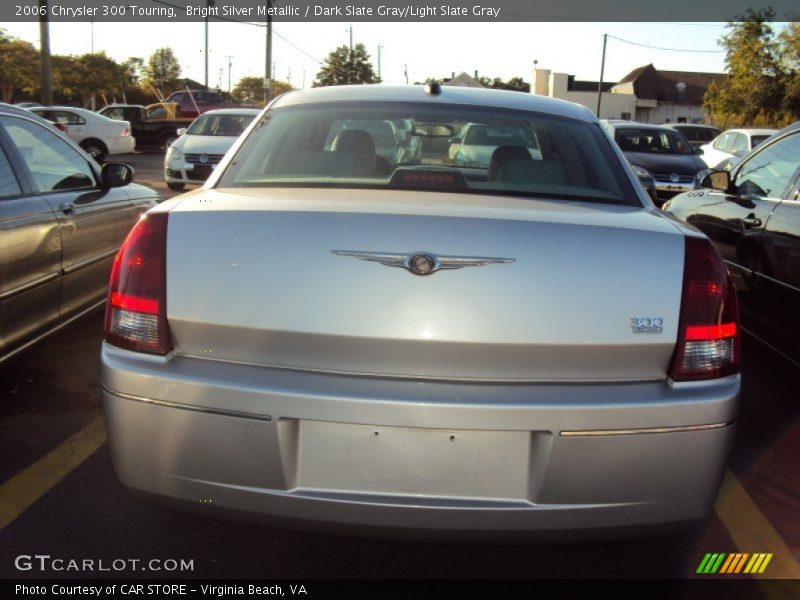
column 755, row 140
column 652, row 141
column 419, row 146
column 220, row 125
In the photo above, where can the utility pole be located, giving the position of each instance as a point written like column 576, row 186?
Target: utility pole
column 350, row 62
column 289, row 77
column 44, row 36
column 268, row 57
column 92, row 22
column 304, row 79
column 229, row 72
column 209, row 5
column 405, row 71
column 602, row 72
column 379, row 60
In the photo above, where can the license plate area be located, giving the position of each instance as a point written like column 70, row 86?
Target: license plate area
column 408, row 461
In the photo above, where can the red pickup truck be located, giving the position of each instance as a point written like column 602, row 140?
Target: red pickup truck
column 192, row 103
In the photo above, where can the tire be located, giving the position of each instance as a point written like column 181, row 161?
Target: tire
column 96, row 149
column 175, row 187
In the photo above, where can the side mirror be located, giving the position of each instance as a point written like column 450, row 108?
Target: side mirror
column 116, row 174
column 717, row 180
column 181, row 131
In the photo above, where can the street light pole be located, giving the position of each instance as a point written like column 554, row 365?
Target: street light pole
column 602, row 72
column 44, row 36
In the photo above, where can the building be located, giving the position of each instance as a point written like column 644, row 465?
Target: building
column 566, row 87
column 645, row 94
column 667, row 96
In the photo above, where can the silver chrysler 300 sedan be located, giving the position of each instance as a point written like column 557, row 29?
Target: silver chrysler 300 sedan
column 324, row 338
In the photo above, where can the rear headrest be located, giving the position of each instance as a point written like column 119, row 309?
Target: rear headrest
column 360, row 144
column 504, row 155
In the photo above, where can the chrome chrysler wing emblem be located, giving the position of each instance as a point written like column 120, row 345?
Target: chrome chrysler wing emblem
column 423, row 263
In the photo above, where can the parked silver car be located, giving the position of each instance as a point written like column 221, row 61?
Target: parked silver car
column 62, row 220
column 436, row 351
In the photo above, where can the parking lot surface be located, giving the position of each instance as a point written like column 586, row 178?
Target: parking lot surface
column 59, row 495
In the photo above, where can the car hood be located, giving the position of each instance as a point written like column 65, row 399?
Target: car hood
column 205, row 144
column 684, row 164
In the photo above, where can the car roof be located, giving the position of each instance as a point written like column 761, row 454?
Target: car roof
column 75, row 109
column 635, row 125
column 232, row 111
column 23, row 112
column 698, row 125
column 750, row 131
column 448, row 95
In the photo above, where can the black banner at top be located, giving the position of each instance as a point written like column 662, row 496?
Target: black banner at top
column 391, row 10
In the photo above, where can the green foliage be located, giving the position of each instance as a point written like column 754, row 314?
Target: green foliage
column 345, row 66
column 515, row 84
column 762, row 89
column 250, row 90
column 19, row 67
column 162, row 71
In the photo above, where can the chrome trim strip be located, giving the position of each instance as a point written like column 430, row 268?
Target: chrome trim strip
column 30, row 285
column 89, row 261
column 58, row 327
column 202, row 409
column 606, row 432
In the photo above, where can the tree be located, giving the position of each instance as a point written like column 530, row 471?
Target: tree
column 19, row 67
column 761, row 89
column 345, row 66
column 250, row 90
column 162, row 71
column 515, row 84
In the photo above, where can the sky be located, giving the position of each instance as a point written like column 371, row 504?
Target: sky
column 426, row 49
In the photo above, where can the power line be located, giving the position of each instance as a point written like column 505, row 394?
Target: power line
column 661, row 48
column 262, row 25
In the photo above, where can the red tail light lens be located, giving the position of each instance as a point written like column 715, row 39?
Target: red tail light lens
column 708, row 328
column 136, row 311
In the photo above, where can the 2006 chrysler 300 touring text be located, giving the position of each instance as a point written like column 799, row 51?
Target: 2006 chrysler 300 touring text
column 398, row 344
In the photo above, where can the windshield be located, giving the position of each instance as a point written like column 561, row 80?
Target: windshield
column 652, row 141
column 419, row 146
column 220, row 125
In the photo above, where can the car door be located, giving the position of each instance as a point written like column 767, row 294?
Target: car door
column 735, row 220
column 30, row 256
column 92, row 220
column 776, row 280
column 719, row 150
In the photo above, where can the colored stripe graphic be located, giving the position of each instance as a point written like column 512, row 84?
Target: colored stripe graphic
column 732, row 564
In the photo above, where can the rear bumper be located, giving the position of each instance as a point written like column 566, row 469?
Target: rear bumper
column 122, row 145
column 410, row 459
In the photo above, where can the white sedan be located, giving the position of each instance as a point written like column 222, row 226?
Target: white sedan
column 199, row 148
column 733, row 143
column 97, row 134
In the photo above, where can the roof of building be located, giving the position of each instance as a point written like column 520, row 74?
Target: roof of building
column 464, row 80
column 652, row 84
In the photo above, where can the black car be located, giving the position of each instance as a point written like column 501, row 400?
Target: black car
column 660, row 153
column 694, row 132
column 752, row 214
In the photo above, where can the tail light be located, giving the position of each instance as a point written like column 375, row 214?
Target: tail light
column 708, row 328
column 136, row 311
column 125, row 132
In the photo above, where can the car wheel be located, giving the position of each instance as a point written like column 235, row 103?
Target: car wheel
column 95, row 148
column 175, row 187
